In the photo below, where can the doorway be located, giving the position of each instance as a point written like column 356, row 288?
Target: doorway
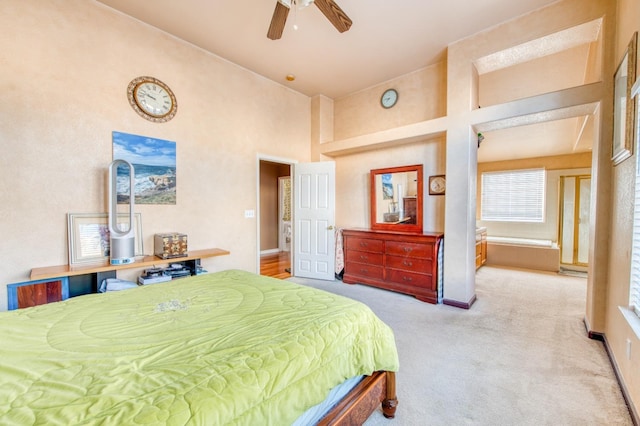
column 274, row 218
column 575, row 196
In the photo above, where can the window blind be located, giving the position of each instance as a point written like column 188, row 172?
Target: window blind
column 513, row 196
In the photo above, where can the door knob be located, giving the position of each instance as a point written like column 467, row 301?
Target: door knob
column 330, row 227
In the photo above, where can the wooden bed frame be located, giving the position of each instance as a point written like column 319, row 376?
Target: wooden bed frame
column 362, row 400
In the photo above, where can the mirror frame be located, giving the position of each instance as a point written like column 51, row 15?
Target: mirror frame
column 398, row 227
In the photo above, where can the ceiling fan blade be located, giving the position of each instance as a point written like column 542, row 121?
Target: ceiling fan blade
column 278, row 20
column 334, row 14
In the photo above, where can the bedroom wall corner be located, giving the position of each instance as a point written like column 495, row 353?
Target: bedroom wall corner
column 65, row 72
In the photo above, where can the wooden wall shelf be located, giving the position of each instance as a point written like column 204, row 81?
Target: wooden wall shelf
column 53, row 283
column 49, row 272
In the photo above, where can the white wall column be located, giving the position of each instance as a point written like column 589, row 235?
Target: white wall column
column 460, row 217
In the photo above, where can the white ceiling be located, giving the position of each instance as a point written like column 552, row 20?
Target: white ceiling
column 388, row 38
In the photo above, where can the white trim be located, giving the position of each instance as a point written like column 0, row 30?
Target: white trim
column 270, row 251
column 632, row 319
column 521, row 241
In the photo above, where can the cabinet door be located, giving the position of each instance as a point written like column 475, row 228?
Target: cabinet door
column 34, row 293
column 39, row 294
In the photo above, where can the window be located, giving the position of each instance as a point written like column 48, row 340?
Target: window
column 634, row 286
column 513, row 196
column 634, row 293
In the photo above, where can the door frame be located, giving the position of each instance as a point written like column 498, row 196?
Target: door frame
column 273, row 159
column 282, row 243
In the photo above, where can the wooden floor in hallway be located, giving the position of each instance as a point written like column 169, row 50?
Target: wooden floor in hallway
column 277, row 265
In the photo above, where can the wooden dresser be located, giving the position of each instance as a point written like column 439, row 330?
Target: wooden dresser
column 397, row 261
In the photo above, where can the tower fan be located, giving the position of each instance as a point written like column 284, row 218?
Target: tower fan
column 122, row 236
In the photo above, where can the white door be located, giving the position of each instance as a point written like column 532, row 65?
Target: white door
column 314, row 217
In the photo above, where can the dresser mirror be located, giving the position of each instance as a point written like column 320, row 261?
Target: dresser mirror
column 396, row 199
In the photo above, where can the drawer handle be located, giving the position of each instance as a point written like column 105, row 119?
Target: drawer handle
column 407, row 249
column 364, row 271
column 407, row 263
column 363, row 244
column 407, row 279
column 363, row 257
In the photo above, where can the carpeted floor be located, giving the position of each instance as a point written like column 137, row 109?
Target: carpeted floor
column 519, row 356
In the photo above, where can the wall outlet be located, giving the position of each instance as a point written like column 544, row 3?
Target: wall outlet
column 628, row 348
column 249, row 213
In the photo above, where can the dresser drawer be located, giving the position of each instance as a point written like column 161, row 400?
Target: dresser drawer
column 364, row 244
column 409, row 278
column 397, row 248
column 413, row 264
column 364, row 257
column 361, row 270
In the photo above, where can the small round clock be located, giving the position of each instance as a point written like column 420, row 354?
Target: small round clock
column 152, row 99
column 389, row 98
column 437, row 185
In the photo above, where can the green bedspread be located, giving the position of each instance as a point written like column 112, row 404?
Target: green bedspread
column 224, row 348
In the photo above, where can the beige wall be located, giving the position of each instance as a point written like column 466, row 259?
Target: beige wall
column 352, row 177
column 65, row 70
column 550, row 73
column 421, row 96
column 617, row 329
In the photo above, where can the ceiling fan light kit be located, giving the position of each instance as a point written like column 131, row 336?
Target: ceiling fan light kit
column 299, row 3
column 329, row 9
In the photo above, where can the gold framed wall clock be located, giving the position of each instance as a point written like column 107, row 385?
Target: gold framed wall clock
column 152, row 99
column 437, row 185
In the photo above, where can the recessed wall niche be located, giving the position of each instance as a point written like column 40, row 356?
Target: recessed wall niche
column 558, row 61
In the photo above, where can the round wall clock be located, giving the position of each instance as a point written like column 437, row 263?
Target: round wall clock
column 152, row 99
column 437, row 185
column 389, row 98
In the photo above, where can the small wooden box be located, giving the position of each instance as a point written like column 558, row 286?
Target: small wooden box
column 168, row 246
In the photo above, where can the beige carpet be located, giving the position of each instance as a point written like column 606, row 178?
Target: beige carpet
column 519, row 356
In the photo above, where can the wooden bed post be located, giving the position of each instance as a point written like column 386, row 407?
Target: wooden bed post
column 364, row 399
column 390, row 402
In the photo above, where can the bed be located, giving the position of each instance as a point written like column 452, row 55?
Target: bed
column 224, row 348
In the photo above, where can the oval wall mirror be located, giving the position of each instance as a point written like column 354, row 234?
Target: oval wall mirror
column 396, row 199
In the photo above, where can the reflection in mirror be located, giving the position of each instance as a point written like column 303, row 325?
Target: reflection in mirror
column 396, row 199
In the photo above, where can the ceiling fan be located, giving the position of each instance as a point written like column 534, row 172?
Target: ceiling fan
column 329, row 8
